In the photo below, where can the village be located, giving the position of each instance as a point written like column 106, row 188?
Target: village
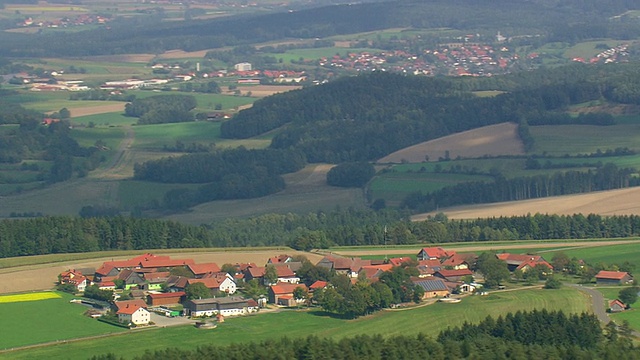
column 157, row 290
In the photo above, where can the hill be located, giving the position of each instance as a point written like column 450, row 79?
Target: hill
column 492, row 140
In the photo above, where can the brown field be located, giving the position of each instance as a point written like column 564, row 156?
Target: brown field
column 94, row 110
column 612, row 202
column 494, row 140
column 181, row 54
column 266, row 90
column 43, row 277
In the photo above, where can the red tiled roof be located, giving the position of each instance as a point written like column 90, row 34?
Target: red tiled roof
column 156, row 263
column 533, row 263
column 319, row 284
column 257, row 272
column 167, row 295
column 157, row 275
column 107, row 284
column 285, row 288
column 437, row 252
column 252, row 303
column 614, row 275
column 284, row 272
column 518, row 258
column 399, row 261
column 204, row 268
column 211, row 283
column 618, row 302
column 461, row 272
column 430, row 263
column 129, row 304
column 105, row 269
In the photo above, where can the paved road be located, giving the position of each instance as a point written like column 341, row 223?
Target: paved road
column 598, row 304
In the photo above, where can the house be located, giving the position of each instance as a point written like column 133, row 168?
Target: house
column 399, row 261
column 286, row 275
column 617, row 306
column 284, row 291
column 453, row 275
column 343, row 266
column 226, row 306
column 522, row 261
column 74, row 278
column 319, row 284
column 373, row 272
column 613, row 278
column 280, row 259
column 131, row 279
column 157, row 299
column 254, row 272
column 459, row 261
column 154, row 280
column 434, row 253
column 432, row 287
column 107, row 285
column 132, row 312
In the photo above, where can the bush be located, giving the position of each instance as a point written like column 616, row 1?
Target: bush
column 552, row 283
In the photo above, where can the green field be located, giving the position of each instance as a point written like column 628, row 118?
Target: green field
column 34, row 322
column 587, row 50
column 206, row 102
column 107, row 119
column 133, row 193
column 154, row 137
column 632, row 315
column 429, row 319
column 609, row 254
column 318, row 53
column 582, row 139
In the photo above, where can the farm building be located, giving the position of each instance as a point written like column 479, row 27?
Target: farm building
column 522, row 261
column 453, row 275
column 133, row 312
column 166, row 298
column 613, row 278
column 433, row 288
column 434, row 253
column 227, row 306
column 285, row 291
column 616, row 306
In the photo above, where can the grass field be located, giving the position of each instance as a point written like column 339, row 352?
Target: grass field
column 632, row 315
column 108, row 119
column 587, row 49
column 429, row 319
column 33, row 322
column 154, row 137
column 133, row 193
column 610, row 254
column 572, row 139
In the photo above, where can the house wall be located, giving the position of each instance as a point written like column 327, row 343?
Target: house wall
column 165, row 301
column 608, row 282
column 141, row 317
column 437, row 293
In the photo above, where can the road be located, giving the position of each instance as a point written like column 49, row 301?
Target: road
column 598, row 304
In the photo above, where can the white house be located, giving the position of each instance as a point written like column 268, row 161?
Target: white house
column 134, row 314
column 245, row 66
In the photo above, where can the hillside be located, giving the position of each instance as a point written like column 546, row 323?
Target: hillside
column 492, row 140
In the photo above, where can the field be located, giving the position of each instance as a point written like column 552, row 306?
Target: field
column 34, row 322
column 571, row 139
column 500, row 139
column 428, row 319
column 38, row 296
column 612, row 202
column 611, row 254
column 632, row 315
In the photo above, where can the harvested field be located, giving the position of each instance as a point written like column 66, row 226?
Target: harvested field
column 612, row 202
column 180, row 54
column 43, row 277
column 266, row 90
column 100, row 109
column 494, row 140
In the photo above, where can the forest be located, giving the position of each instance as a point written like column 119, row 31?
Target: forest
column 569, row 21
column 523, row 335
column 54, row 235
column 162, row 109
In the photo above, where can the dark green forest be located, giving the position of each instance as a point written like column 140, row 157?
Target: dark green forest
column 53, row 235
column 162, row 109
column 550, row 20
column 523, row 335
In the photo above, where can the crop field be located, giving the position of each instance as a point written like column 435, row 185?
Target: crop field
column 572, row 139
column 46, row 320
column 395, row 186
column 106, row 119
column 427, row 319
column 5, row 299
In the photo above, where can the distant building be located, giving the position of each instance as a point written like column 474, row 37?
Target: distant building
column 245, row 66
column 613, row 278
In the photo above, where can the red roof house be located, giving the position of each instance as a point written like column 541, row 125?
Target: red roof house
column 605, row 277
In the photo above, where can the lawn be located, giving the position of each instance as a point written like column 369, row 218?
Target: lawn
column 429, row 319
column 33, row 322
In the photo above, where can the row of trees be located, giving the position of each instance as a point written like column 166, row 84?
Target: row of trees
column 162, row 109
column 47, row 235
column 513, row 336
column 606, row 177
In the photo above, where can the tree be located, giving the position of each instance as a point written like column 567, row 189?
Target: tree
column 493, row 269
column 560, row 261
column 64, row 113
column 629, row 295
column 300, row 293
column 270, row 274
column 552, row 283
column 254, row 290
column 119, row 283
column 197, row 291
column 228, row 268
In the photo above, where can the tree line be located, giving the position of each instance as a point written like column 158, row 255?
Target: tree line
column 577, row 337
column 162, row 109
column 350, row 227
column 606, row 177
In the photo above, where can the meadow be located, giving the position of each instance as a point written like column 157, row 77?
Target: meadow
column 427, row 319
column 632, row 315
column 34, row 322
column 610, row 254
column 581, row 139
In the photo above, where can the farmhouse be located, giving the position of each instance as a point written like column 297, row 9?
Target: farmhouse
column 199, row 270
column 282, row 294
column 343, row 266
column 74, row 278
column 523, row 261
column 453, row 275
column 434, row 253
column 613, row 278
column 133, row 312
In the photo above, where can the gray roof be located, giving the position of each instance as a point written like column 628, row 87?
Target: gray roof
column 432, row 285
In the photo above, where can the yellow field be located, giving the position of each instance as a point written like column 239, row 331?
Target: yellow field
column 28, row 297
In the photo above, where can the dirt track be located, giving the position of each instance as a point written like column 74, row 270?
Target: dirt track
column 42, row 277
column 612, row 202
